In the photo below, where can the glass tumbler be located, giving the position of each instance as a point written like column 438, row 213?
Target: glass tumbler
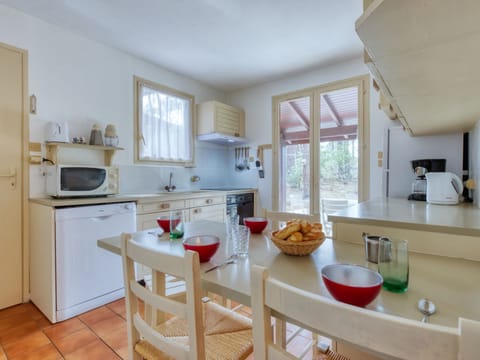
column 393, row 263
column 177, row 224
column 240, row 240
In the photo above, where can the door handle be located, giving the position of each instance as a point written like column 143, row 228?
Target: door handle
column 12, row 175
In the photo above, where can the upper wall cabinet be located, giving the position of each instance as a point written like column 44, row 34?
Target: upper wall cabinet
column 220, row 123
column 425, row 56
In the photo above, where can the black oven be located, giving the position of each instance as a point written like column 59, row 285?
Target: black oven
column 243, row 203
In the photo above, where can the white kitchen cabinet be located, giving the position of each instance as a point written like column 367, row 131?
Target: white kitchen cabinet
column 216, row 117
column 196, row 208
column 147, row 213
column 424, row 56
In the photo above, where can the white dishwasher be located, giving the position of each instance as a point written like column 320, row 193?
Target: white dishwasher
column 86, row 275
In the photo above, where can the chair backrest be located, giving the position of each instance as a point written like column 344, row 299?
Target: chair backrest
column 331, row 206
column 275, row 217
column 380, row 334
column 186, row 267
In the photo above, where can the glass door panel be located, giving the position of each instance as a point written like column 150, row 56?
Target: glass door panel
column 338, row 150
column 294, row 155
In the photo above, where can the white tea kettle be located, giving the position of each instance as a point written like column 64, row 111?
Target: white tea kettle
column 443, row 188
column 56, row 132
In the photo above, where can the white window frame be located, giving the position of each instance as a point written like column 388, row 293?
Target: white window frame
column 139, row 139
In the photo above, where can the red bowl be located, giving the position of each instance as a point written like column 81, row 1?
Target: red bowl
column 255, row 224
column 205, row 245
column 164, row 223
column 352, row 284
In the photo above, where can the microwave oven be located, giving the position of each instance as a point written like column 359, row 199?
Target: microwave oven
column 81, row 180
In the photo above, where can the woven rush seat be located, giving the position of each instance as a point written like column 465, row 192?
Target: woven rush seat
column 228, row 335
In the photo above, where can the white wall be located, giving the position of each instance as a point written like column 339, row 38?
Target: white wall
column 84, row 82
column 257, row 102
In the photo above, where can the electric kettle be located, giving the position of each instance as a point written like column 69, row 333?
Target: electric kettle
column 56, row 132
column 443, row 188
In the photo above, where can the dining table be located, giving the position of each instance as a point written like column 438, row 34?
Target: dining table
column 452, row 284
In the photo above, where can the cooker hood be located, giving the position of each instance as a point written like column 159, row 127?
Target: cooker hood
column 222, row 139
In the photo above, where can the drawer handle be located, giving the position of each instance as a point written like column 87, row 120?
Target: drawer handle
column 164, row 206
column 197, row 211
column 208, row 201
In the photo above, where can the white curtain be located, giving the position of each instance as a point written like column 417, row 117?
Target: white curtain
column 165, row 126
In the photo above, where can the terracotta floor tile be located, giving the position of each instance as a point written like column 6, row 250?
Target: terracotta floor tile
column 14, row 310
column 118, row 307
column 48, row 352
column 105, row 327
column 74, row 341
column 2, row 354
column 6, row 323
column 43, row 322
column 99, row 314
column 64, row 328
column 25, row 344
column 96, row 350
column 116, row 339
column 34, row 312
column 122, row 352
column 18, row 331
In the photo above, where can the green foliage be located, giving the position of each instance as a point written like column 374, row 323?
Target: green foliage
column 338, row 161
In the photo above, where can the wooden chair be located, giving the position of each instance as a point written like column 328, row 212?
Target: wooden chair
column 331, row 206
column 275, row 218
column 188, row 329
column 381, row 334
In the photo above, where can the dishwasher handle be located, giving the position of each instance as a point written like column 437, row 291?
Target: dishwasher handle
column 101, row 218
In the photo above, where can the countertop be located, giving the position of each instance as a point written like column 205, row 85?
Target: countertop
column 461, row 219
column 139, row 198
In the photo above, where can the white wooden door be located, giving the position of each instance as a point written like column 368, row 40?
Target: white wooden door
column 11, row 144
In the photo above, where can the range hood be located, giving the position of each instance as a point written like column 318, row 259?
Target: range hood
column 222, row 139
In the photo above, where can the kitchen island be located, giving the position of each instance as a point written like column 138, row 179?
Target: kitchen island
column 446, row 230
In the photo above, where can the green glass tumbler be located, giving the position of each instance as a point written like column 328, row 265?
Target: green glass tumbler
column 393, row 264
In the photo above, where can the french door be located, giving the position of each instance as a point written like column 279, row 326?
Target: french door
column 320, row 146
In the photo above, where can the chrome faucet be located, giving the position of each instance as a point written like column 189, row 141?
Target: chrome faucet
column 170, row 187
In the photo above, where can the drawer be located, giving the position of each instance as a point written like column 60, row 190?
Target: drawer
column 214, row 213
column 160, row 206
column 206, row 201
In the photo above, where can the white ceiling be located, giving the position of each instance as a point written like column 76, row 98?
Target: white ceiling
column 228, row 44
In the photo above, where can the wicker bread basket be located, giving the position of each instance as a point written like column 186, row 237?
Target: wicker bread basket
column 300, row 248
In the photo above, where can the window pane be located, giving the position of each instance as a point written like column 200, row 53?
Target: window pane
column 165, row 126
column 338, row 151
column 295, row 155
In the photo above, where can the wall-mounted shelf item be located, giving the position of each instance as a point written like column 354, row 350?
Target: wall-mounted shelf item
column 54, row 147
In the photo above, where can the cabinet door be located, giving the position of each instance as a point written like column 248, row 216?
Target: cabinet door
column 213, row 212
column 149, row 221
column 229, row 120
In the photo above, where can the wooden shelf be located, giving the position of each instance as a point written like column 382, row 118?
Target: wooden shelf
column 54, row 147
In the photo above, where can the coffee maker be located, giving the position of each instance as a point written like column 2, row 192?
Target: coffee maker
column 420, row 168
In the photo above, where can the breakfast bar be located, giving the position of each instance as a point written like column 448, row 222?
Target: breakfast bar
column 450, row 282
column 444, row 230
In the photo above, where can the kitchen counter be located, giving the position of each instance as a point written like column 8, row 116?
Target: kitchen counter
column 454, row 219
column 447, row 230
column 139, row 198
